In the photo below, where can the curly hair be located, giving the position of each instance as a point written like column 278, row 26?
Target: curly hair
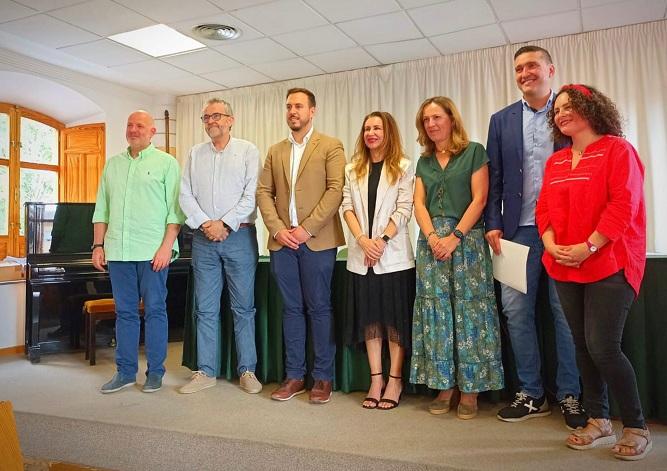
column 593, row 106
column 392, row 148
column 459, row 138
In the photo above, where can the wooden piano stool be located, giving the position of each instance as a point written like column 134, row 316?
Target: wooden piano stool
column 94, row 311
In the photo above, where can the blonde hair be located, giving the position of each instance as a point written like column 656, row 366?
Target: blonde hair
column 392, row 148
column 459, row 137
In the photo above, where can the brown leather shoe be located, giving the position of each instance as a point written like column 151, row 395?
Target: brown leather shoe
column 288, row 389
column 321, row 392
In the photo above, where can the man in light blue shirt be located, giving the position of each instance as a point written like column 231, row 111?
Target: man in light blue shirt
column 218, row 199
column 538, row 145
column 518, row 146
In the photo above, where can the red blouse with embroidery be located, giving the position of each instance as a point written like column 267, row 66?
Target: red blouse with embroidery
column 603, row 193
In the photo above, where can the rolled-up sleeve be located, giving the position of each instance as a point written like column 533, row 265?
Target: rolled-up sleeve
column 247, row 203
column 347, row 205
column 171, row 184
column 405, row 200
column 101, row 213
column 194, row 215
column 625, row 184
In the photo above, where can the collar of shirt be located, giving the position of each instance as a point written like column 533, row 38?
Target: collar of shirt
column 306, row 138
column 216, row 151
column 141, row 155
column 546, row 107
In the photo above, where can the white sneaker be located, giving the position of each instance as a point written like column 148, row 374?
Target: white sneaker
column 249, row 383
column 198, row 382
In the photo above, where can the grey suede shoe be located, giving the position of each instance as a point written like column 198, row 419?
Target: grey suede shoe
column 153, row 383
column 116, row 384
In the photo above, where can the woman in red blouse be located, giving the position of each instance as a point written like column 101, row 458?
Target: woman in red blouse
column 592, row 219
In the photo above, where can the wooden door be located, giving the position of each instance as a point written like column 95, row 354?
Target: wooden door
column 82, row 157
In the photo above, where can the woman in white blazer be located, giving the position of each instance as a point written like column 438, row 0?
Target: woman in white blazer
column 377, row 206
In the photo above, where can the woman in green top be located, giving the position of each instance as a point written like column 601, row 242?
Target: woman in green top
column 455, row 337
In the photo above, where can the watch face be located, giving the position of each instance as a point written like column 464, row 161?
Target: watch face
column 593, row 248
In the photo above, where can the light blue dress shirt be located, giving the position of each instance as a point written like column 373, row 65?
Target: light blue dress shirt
column 221, row 184
column 538, row 145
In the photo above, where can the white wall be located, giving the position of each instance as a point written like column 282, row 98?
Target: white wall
column 12, row 318
column 111, row 103
column 72, row 98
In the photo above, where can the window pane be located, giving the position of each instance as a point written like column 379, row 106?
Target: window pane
column 39, row 142
column 4, row 136
column 38, row 186
column 4, row 200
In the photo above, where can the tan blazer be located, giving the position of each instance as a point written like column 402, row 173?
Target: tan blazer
column 393, row 202
column 318, row 190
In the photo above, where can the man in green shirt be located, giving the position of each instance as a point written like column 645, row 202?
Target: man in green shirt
column 136, row 221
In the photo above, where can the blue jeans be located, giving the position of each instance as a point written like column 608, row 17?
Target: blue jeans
column 304, row 279
column 130, row 282
column 519, row 309
column 233, row 260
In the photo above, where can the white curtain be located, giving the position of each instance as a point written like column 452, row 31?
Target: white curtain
column 629, row 64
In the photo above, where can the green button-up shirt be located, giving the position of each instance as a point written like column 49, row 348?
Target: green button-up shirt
column 448, row 191
column 137, row 198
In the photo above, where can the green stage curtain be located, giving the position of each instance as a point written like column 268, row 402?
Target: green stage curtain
column 642, row 340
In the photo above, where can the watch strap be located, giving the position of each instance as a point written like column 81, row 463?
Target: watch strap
column 591, row 248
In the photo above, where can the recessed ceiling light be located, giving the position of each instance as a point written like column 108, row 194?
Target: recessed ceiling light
column 157, row 40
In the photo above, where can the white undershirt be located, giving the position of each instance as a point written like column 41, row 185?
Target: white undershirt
column 295, row 161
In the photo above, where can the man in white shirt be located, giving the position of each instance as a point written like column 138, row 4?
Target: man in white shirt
column 218, row 198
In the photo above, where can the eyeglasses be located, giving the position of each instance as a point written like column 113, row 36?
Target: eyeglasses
column 214, row 117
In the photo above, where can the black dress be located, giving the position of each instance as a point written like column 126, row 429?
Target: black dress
column 379, row 306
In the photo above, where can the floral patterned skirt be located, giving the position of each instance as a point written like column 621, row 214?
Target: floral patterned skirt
column 455, row 333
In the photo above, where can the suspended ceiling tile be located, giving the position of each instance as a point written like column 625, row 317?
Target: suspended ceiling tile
column 381, row 29
column 316, row 40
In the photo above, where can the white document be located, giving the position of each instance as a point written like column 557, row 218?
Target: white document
column 510, row 266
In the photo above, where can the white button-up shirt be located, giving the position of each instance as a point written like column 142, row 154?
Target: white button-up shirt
column 295, row 160
column 221, row 184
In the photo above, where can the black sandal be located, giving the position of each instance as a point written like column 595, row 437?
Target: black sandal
column 372, row 399
column 394, row 404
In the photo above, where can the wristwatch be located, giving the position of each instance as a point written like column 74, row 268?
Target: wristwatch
column 591, row 248
column 386, row 238
column 458, row 234
column 94, row 246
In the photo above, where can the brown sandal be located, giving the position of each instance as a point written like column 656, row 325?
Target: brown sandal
column 629, row 439
column 596, row 433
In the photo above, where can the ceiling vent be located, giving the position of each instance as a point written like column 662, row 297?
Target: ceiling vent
column 216, row 32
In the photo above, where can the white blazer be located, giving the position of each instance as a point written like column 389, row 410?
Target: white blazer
column 393, row 202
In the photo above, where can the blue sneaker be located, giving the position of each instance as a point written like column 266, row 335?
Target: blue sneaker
column 116, row 384
column 153, row 383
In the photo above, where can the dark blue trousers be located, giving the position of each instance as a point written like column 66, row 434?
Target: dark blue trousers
column 304, row 279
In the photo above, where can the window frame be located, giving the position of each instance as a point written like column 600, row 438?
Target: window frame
column 14, row 242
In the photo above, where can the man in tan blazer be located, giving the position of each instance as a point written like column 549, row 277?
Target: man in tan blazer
column 299, row 193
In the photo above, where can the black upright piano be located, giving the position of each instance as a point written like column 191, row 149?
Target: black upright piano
column 60, row 277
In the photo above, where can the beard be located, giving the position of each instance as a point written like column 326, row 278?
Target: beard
column 214, row 131
column 297, row 125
